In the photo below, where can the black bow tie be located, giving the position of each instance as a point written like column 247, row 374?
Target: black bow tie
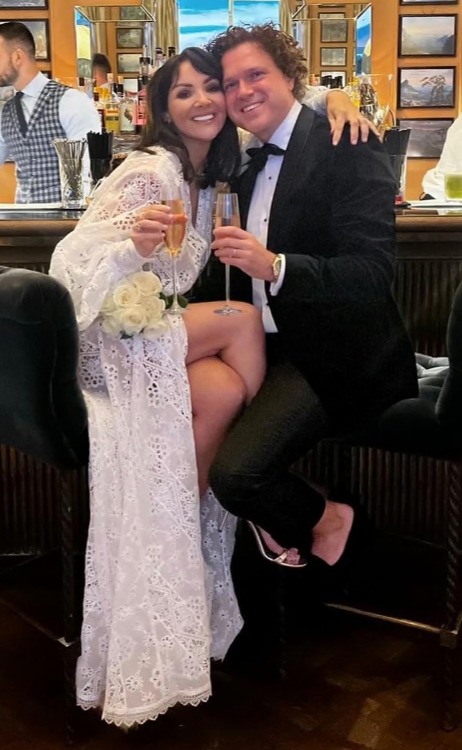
column 259, row 156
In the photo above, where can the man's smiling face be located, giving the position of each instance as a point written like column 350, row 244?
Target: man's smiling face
column 258, row 95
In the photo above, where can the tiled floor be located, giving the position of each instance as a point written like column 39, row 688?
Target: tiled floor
column 351, row 684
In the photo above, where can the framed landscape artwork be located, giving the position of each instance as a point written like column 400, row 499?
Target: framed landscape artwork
column 132, row 13
column 426, row 87
column 129, row 37
column 23, row 4
column 427, row 35
column 128, row 62
column 333, row 56
column 39, row 30
column 335, row 74
column 6, row 92
column 427, row 137
column 428, row 2
column 334, row 30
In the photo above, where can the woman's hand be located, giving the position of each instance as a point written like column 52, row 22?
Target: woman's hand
column 148, row 231
column 341, row 110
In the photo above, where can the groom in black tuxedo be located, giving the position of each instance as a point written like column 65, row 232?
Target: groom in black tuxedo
column 317, row 255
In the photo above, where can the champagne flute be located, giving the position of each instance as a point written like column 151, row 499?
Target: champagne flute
column 174, row 237
column 227, row 215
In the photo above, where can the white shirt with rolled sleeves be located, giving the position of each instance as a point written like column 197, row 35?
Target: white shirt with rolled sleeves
column 450, row 161
column 77, row 113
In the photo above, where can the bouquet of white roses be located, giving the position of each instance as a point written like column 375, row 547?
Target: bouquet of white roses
column 135, row 306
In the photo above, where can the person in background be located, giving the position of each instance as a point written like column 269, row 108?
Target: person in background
column 40, row 111
column 316, row 254
column 100, row 67
column 449, row 161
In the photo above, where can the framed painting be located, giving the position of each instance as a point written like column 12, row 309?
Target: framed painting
column 128, row 37
column 426, row 87
column 427, row 35
column 128, row 62
column 39, row 30
column 132, row 13
column 23, row 5
column 6, row 92
column 334, row 75
column 427, row 136
column 333, row 56
column 334, row 30
column 428, row 2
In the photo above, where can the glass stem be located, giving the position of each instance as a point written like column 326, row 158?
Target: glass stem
column 227, row 284
column 175, row 295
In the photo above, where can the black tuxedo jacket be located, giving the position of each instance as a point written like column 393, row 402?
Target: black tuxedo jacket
column 332, row 216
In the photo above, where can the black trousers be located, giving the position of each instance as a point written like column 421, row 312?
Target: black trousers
column 250, row 475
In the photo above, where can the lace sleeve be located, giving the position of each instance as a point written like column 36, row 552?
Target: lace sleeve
column 93, row 258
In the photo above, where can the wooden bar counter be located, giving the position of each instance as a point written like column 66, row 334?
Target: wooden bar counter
column 28, row 238
column 429, row 261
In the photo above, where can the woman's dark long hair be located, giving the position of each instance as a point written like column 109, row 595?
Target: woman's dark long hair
column 223, row 159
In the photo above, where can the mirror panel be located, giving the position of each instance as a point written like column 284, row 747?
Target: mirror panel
column 336, row 39
column 119, row 32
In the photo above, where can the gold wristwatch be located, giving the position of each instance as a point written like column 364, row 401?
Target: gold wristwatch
column 276, row 265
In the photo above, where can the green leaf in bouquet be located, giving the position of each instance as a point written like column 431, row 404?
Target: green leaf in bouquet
column 168, row 299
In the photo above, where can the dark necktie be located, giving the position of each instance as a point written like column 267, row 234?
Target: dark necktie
column 20, row 112
column 259, row 156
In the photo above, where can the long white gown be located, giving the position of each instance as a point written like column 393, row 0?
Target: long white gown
column 159, row 600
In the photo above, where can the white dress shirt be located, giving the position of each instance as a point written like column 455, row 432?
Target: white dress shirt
column 77, row 113
column 260, row 208
column 450, row 161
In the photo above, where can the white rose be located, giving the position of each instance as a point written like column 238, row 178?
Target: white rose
column 108, row 305
column 133, row 319
column 111, row 324
column 154, row 307
column 126, row 295
column 146, row 282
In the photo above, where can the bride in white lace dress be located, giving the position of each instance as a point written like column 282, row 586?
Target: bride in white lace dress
column 159, row 601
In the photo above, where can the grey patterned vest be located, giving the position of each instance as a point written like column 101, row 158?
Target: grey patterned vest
column 34, row 155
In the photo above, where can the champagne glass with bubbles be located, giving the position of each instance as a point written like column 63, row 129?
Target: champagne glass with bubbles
column 174, row 237
column 227, row 215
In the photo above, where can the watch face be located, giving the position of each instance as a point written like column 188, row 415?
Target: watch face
column 277, row 267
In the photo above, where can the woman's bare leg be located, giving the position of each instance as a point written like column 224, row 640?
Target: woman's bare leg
column 217, row 396
column 238, row 340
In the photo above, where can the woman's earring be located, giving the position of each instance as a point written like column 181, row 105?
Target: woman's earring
column 166, row 117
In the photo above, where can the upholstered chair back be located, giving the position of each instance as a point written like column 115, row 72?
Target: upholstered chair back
column 42, row 411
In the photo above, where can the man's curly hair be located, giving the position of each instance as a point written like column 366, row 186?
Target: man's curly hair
column 281, row 47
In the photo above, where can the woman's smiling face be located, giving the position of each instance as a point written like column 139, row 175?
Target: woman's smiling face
column 196, row 105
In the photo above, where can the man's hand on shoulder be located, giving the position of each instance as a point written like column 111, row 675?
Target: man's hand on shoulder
column 236, row 247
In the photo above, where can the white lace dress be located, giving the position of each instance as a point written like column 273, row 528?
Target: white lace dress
column 159, row 600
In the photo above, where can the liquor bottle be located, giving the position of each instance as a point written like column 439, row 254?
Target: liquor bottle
column 160, row 59
column 143, row 78
column 112, row 115
column 127, row 113
column 100, row 108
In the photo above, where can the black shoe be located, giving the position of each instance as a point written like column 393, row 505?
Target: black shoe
column 336, row 578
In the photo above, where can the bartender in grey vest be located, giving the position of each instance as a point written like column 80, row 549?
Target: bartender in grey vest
column 40, row 111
